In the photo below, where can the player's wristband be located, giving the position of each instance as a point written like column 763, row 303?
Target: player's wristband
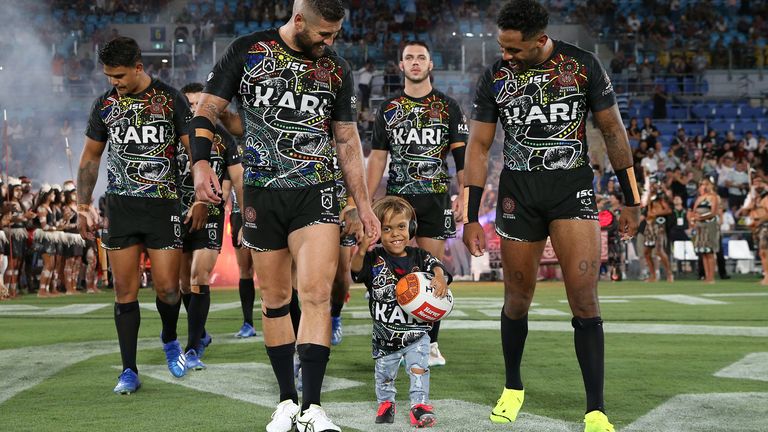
column 628, row 184
column 202, row 138
column 458, row 157
column 472, row 197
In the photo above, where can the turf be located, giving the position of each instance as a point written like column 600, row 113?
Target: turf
column 643, row 371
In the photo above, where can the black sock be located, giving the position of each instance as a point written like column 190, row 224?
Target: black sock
column 127, row 320
column 336, row 309
column 314, row 359
column 197, row 316
column 513, row 334
column 434, row 333
column 247, row 297
column 281, row 358
column 185, row 298
column 590, row 350
column 295, row 312
column 169, row 315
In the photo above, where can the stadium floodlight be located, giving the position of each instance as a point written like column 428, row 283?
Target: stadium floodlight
column 164, row 60
column 469, row 34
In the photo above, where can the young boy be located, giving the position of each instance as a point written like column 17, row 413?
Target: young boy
column 397, row 335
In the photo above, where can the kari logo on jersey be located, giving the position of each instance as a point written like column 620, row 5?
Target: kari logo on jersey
column 424, row 136
column 544, row 114
column 260, row 96
column 146, row 134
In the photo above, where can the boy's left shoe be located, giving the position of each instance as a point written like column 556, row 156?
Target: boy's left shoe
column 386, row 412
column 422, row 416
column 596, row 421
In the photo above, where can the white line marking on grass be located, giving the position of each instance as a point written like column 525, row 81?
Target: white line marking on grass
column 73, row 309
column 753, row 366
column 747, row 294
column 672, row 298
column 617, row 327
column 254, row 383
column 249, row 382
column 715, row 412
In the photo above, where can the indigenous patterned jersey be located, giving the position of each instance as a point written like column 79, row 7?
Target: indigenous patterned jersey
column 235, row 204
column 142, row 132
column 418, row 133
column 543, row 110
column 224, row 154
column 393, row 329
column 287, row 102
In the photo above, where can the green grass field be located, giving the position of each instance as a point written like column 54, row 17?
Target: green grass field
column 680, row 357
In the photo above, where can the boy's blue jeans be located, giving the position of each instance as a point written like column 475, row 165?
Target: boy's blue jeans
column 416, row 355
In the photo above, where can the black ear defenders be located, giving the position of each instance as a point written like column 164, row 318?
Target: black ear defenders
column 412, row 224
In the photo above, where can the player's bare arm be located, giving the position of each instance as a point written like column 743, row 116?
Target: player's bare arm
column 350, row 154
column 377, row 162
column 475, row 173
column 210, row 107
column 87, row 174
column 458, row 205
column 620, row 155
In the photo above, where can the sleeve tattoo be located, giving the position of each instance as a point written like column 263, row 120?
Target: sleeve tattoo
column 87, row 175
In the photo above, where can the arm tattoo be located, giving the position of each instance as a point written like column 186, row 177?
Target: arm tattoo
column 345, row 144
column 87, row 175
column 617, row 146
column 211, row 111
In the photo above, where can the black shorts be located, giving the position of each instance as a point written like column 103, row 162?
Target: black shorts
column 529, row 201
column 208, row 237
column 153, row 222
column 270, row 215
column 236, row 222
column 434, row 216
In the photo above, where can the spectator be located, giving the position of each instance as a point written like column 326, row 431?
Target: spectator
column 649, row 132
column 365, row 81
column 660, row 103
column 737, row 182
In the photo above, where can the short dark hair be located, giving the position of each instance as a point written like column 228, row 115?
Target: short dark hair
column 528, row 17
column 192, row 88
column 330, row 10
column 120, row 51
column 416, row 43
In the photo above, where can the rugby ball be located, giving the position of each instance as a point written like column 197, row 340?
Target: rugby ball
column 416, row 296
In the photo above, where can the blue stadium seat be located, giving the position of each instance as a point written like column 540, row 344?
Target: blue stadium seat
column 721, row 126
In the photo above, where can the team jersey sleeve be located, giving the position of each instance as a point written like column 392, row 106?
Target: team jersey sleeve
column 226, row 74
column 484, row 107
column 364, row 275
column 181, row 115
column 600, row 94
column 429, row 263
column 458, row 131
column 345, row 104
column 380, row 137
column 96, row 129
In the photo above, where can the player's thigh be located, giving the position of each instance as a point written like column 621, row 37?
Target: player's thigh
column 577, row 245
column 273, row 270
column 342, row 277
column 165, row 268
column 203, row 261
column 125, row 272
column 520, row 261
column 436, row 247
column 315, row 248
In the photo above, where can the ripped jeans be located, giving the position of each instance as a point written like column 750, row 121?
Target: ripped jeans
column 416, row 355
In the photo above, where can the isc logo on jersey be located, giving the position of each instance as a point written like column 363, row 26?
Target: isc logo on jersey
column 298, row 67
column 424, row 136
column 146, row 134
column 259, row 96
